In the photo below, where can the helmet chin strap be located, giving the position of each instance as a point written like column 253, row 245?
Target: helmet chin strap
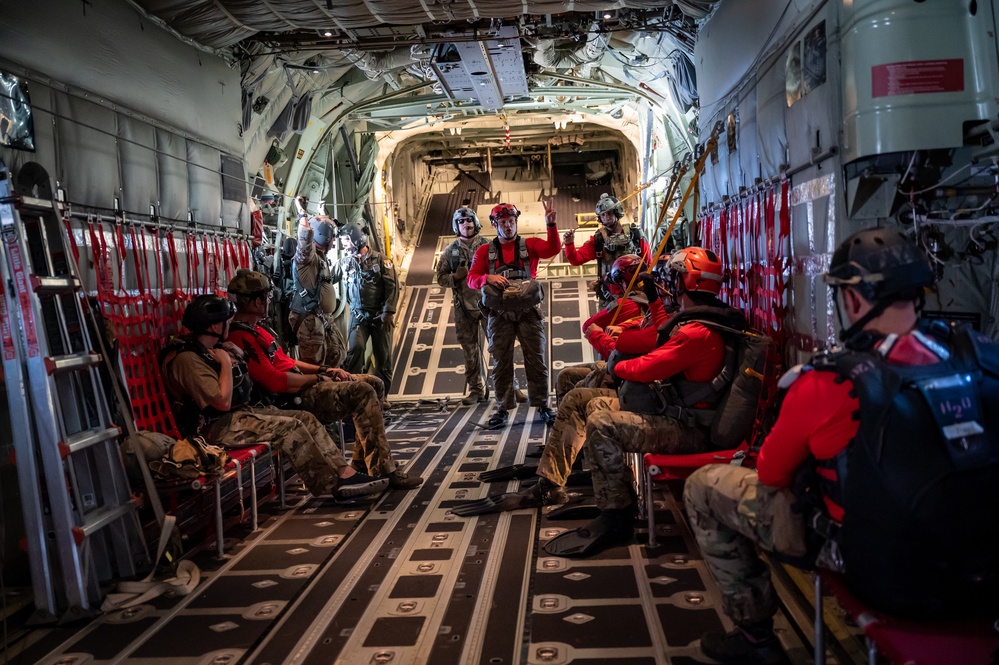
column 219, row 336
column 854, row 336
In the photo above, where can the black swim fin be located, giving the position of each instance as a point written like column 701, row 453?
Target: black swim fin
column 513, row 472
column 608, row 529
column 496, row 503
column 579, row 507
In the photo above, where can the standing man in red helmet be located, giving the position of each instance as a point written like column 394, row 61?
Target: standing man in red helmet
column 609, row 243
column 505, row 269
column 469, row 324
column 691, row 359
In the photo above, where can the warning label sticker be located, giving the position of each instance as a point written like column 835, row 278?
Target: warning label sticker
column 918, row 77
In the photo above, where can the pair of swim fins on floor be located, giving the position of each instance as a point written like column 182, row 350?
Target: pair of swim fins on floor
column 607, row 528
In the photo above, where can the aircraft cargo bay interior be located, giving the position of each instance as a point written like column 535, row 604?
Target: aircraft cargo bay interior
column 499, row 332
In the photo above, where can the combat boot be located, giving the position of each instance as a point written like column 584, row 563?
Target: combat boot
column 520, row 396
column 547, row 493
column 737, row 647
column 358, row 485
column 473, row 398
column 400, row 480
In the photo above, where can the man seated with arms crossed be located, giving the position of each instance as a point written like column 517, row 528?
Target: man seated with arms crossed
column 206, row 401
column 330, row 394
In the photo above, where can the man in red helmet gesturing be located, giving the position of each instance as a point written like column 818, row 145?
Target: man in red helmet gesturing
column 505, row 269
column 667, row 398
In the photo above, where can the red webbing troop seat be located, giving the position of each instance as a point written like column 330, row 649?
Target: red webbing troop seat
column 908, row 642
column 144, row 278
column 243, row 473
column 676, row 467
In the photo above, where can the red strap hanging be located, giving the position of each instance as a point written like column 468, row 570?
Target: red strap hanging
column 191, row 260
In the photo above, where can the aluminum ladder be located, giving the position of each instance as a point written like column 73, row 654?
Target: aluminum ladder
column 83, row 529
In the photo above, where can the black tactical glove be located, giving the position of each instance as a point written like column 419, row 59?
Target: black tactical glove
column 649, row 286
column 461, row 272
column 598, row 243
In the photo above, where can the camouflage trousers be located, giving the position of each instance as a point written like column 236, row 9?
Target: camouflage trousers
column 331, row 401
column 469, row 328
column 320, row 341
column 298, row 435
column 590, row 375
column 568, row 434
column 612, row 434
column 529, row 329
column 731, row 512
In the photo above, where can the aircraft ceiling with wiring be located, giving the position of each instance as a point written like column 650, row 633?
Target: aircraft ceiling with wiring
column 456, row 72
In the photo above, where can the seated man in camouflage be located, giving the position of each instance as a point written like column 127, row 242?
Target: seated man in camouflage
column 667, row 419
column 209, row 389
column 331, row 394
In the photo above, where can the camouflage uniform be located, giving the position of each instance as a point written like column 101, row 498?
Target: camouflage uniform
column 469, row 324
column 567, row 435
column 298, row 435
column 613, row 246
column 570, row 377
column 372, row 290
column 611, row 434
column 332, row 401
column 329, row 401
column 502, row 329
column 320, row 340
column 730, row 511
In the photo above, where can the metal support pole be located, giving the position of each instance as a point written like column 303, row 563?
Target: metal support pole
column 820, row 633
column 219, row 550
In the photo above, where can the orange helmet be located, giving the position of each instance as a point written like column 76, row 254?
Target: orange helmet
column 699, row 270
column 503, row 210
column 622, row 272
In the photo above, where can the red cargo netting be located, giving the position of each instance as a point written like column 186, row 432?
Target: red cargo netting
column 143, row 277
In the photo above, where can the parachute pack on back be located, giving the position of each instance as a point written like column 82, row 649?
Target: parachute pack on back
column 919, row 483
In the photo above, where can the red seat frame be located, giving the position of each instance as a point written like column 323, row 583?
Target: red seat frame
column 675, row 467
column 909, row 642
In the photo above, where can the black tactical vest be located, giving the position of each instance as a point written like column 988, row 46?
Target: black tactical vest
column 192, row 420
